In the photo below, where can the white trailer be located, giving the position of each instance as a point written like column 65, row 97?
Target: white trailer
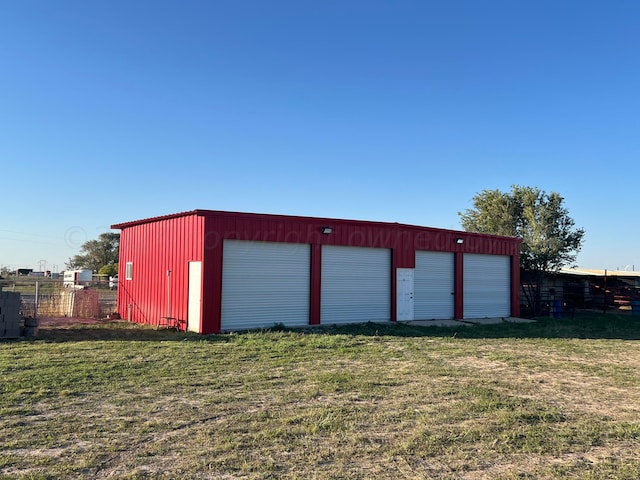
column 77, row 278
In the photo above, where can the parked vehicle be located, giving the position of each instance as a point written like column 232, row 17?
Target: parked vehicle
column 113, row 282
column 77, row 278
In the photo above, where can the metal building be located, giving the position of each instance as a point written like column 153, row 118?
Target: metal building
column 211, row 271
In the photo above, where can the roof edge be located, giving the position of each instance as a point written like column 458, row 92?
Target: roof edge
column 133, row 223
column 222, row 213
column 594, row 272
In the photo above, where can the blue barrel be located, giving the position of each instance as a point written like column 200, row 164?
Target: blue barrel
column 635, row 307
column 557, row 308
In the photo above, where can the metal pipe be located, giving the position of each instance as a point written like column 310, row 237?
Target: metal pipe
column 168, row 294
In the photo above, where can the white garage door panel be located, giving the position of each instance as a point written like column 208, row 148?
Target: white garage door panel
column 434, row 285
column 487, row 286
column 355, row 285
column 264, row 283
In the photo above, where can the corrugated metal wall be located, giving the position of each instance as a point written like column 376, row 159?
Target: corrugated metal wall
column 158, row 244
column 403, row 239
column 154, row 248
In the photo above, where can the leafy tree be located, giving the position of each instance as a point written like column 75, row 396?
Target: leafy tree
column 549, row 237
column 109, row 270
column 95, row 254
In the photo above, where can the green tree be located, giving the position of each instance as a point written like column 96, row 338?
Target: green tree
column 95, row 254
column 549, row 237
column 109, row 270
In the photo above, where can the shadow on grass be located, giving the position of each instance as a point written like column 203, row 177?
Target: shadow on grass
column 585, row 325
column 581, row 326
column 115, row 331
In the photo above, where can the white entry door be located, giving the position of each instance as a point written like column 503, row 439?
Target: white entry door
column 404, row 279
column 195, row 297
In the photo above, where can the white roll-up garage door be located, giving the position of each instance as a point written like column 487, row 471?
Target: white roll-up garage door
column 355, row 285
column 487, row 286
column 434, row 286
column 264, row 283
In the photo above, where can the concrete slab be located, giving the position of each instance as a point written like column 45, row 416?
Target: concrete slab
column 497, row 320
column 468, row 322
column 519, row 320
column 484, row 321
column 438, row 323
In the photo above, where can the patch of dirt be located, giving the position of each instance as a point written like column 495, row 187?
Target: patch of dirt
column 539, row 463
column 569, row 389
column 61, row 322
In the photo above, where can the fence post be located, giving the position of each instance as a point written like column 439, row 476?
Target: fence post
column 35, row 304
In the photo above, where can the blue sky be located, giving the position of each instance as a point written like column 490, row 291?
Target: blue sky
column 379, row 110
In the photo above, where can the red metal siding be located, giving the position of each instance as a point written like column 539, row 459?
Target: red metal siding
column 394, row 285
column 212, row 281
column 170, row 242
column 316, row 286
column 404, row 238
column 154, row 248
column 458, row 285
column 515, row 286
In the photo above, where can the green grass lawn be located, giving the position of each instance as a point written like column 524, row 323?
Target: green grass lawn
column 554, row 399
